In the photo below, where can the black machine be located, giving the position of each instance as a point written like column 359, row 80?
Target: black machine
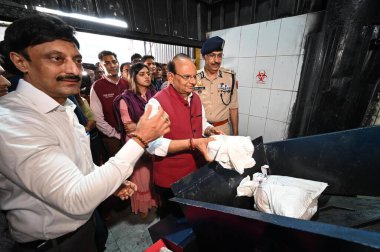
column 348, row 217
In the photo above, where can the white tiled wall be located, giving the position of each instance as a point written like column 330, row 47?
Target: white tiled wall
column 248, row 40
column 259, row 102
column 268, row 38
column 245, row 69
column 266, row 64
column 276, row 48
column 284, row 74
column 245, row 94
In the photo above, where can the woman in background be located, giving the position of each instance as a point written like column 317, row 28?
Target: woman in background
column 129, row 107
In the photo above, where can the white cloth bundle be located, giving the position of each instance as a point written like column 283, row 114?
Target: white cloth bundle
column 282, row 195
column 232, row 152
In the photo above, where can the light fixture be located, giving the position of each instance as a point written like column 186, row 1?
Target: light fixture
column 5, row 23
column 107, row 21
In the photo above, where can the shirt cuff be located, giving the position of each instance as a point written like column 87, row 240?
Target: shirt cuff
column 130, row 152
column 159, row 147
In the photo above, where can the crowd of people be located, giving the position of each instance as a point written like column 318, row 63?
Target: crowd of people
column 69, row 141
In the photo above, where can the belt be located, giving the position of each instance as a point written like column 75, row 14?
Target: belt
column 43, row 245
column 216, row 124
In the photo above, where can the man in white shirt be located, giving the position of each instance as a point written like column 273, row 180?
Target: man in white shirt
column 4, row 83
column 49, row 185
column 6, row 241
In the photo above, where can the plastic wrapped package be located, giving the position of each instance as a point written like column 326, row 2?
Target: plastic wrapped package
column 283, row 195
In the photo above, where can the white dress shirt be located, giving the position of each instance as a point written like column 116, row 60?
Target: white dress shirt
column 48, row 182
column 97, row 110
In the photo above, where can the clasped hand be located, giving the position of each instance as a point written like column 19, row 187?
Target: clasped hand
column 126, row 190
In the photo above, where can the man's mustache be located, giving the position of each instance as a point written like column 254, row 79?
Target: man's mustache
column 69, row 77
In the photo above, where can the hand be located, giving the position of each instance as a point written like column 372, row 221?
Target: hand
column 129, row 127
column 153, row 128
column 214, row 131
column 126, row 190
column 201, row 145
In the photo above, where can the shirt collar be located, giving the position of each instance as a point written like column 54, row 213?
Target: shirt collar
column 41, row 100
column 117, row 82
column 219, row 75
column 188, row 98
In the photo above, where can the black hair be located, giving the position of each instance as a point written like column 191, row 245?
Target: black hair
column 133, row 71
column 136, row 56
column 89, row 66
column 106, row 53
column 143, row 59
column 124, row 64
column 171, row 65
column 33, row 30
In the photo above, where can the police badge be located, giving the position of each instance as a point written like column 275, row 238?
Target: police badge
column 199, row 87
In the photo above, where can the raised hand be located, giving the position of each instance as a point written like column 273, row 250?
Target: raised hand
column 156, row 126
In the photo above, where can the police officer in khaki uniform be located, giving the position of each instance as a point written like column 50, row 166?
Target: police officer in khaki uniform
column 217, row 88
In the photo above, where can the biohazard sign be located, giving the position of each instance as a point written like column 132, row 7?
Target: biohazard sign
column 261, row 77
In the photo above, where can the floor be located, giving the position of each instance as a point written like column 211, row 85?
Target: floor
column 128, row 232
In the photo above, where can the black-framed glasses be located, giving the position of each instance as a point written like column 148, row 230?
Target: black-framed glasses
column 187, row 77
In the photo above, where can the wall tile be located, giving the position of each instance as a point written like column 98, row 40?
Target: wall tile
column 232, row 42
column 284, row 74
column 279, row 105
column 245, row 72
column 266, row 65
column 291, row 35
column 256, row 126
column 243, row 124
column 231, row 63
column 274, row 131
column 268, row 38
column 244, row 95
column 259, row 102
column 248, row 40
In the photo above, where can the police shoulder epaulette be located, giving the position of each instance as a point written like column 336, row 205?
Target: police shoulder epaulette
column 225, row 70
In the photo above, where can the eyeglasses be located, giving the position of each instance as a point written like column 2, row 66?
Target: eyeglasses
column 214, row 55
column 187, row 77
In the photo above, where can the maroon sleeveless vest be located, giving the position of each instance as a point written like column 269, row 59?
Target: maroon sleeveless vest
column 107, row 92
column 186, row 123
